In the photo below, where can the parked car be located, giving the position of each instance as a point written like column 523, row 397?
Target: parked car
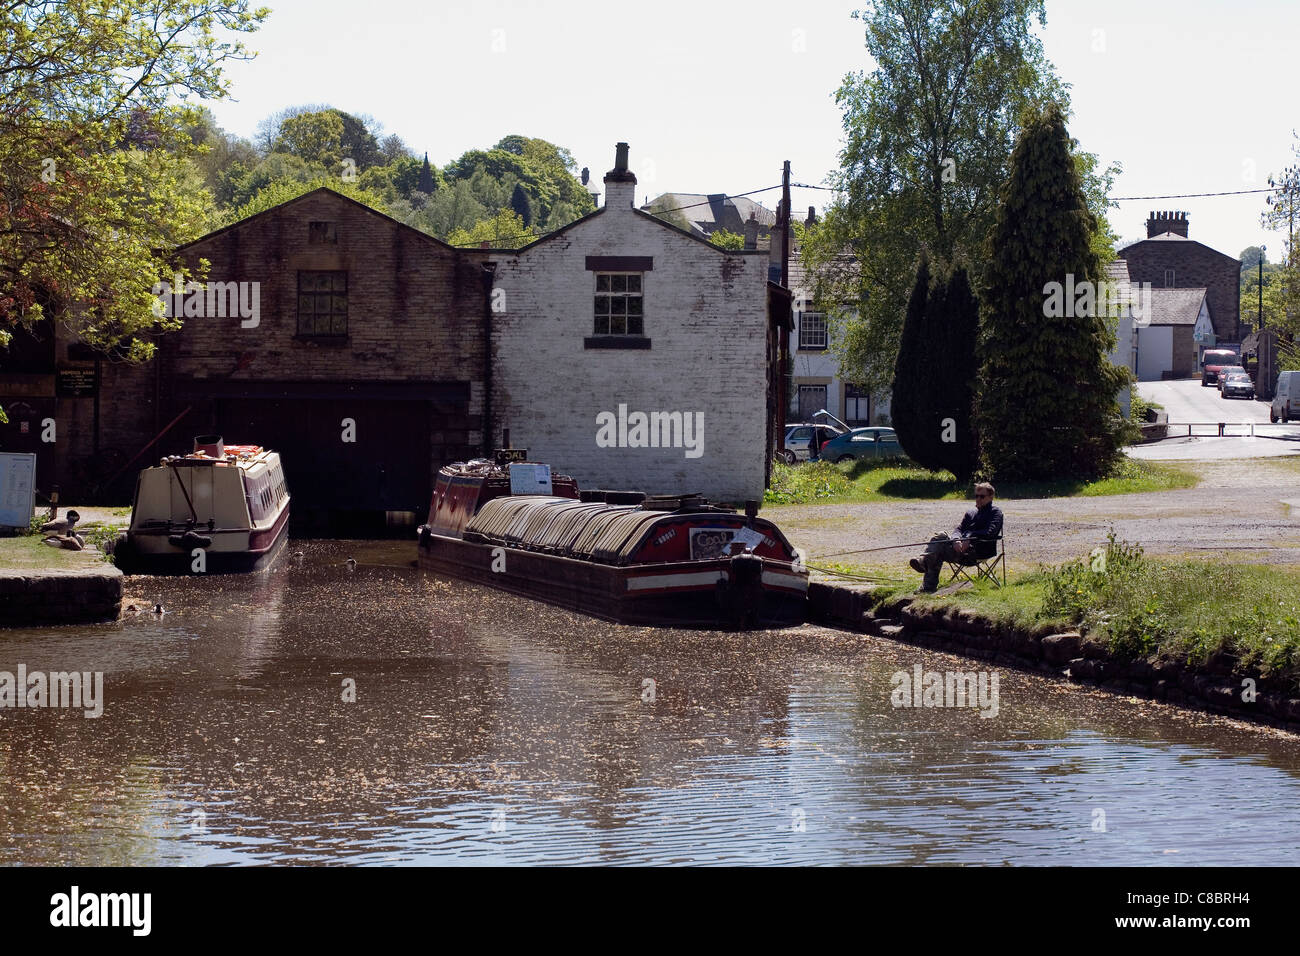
column 874, row 442
column 1224, row 372
column 1286, row 401
column 1236, row 383
column 802, row 441
column 1214, row 359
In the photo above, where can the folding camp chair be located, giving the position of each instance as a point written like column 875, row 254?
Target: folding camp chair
column 992, row 569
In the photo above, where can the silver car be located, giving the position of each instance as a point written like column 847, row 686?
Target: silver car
column 803, row 441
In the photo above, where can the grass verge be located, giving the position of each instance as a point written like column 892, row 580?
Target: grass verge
column 825, row 483
column 1242, row 617
column 27, row 553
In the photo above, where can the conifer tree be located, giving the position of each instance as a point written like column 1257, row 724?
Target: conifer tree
column 906, row 406
column 521, row 204
column 427, row 184
column 1046, row 403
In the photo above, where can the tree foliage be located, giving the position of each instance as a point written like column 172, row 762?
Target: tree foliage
column 505, row 230
column 725, row 239
column 97, row 171
column 928, row 134
column 934, row 376
column 1046, row 402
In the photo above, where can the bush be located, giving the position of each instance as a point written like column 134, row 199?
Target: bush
column 800, row 484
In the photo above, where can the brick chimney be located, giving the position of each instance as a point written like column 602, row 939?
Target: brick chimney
column 620, row 182
column 812, row 217
column 751, row 231
column 1161, row 222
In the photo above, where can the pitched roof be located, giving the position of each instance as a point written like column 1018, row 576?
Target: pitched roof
column 318, row 191
column 1176, row 306
column 707, row 213
column 1175, row 238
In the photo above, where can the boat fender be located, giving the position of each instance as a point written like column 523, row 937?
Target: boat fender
column 189, row 540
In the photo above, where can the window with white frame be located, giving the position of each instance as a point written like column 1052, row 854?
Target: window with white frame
column 812, row 331
column 619, row 304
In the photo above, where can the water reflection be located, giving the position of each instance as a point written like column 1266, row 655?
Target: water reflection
column 487, row 728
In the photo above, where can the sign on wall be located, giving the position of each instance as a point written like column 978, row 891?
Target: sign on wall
column 17, row 489
column 73, row 382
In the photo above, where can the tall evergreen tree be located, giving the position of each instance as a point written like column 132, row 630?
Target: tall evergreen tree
column 1046, row 402
column 426, row 184
column 906, row 406
column 521, row 204
column 934, row 377
column 956, row 333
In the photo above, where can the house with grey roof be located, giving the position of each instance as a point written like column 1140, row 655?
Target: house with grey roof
column 1169, row 343
column 1168, row 259
column 702, row 215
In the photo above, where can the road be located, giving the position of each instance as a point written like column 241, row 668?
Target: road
column 1248, row 433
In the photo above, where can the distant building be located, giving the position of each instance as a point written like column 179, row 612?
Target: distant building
column 816, row 381
column 703, row 215
column 1168, row 259
column 1125, row 352
column 1169, row 345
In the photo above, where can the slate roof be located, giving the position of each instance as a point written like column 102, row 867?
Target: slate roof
column 1174, row 237
column 1176, row 306
column 709, row 213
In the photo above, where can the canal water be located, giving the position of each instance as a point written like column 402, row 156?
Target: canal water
column 321, row 714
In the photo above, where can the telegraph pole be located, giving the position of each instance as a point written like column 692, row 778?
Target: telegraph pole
column 783, row 352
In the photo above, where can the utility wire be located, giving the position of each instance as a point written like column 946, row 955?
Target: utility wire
column 657, row 212
column 1238, row 192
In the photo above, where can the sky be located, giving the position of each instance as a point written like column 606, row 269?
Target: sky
column 1190, row 96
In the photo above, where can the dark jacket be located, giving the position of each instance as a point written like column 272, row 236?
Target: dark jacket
column 983, row 525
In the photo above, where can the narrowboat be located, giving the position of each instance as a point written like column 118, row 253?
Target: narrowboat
column 619, row 556
column 228, row 502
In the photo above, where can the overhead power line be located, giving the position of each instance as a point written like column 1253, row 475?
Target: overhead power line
column 1236, row 192
column 656, row 212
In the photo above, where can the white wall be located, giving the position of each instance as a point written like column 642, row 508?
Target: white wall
column 1155, row 351
column 706, row 318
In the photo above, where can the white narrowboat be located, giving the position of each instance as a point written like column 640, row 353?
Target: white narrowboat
column 229, row 502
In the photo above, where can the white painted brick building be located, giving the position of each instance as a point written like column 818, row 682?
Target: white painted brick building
column 620, row 313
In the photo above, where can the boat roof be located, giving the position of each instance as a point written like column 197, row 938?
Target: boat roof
column 241, row 456
column 595, row 531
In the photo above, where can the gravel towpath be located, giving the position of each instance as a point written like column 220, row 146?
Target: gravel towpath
column 1248, row 510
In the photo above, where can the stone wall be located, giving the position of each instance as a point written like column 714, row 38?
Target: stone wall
column 64, row 596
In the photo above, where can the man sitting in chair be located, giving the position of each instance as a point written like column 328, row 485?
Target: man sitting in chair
column 974, row 539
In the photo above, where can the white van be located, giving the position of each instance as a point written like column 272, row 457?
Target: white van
column 1286, row 402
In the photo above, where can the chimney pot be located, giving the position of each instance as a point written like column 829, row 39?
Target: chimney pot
column 620, row 182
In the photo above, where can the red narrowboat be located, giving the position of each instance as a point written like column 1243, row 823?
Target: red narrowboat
column 619, row 556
